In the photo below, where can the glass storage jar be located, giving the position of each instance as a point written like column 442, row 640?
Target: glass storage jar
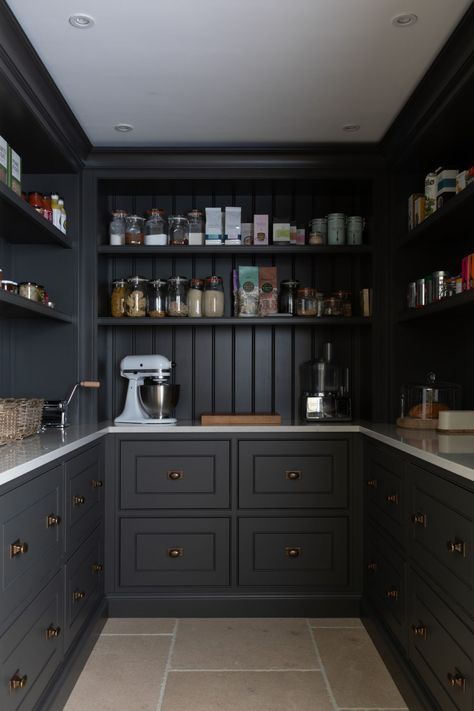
column 213, row 297
column 30, row 290
column 333, row 306
column 135, row 299
column 306, row 302
column 134, row 230
column 156, row 298
column 195, row 298
column 156, row 228
column 196, row 227
column 178, row 229
column 287, row 299
column 117, row 228
column 177, row 305
column 346, row 301
column 424, row 401
column 117, row 299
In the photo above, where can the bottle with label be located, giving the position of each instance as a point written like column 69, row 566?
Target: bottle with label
column 55, row 211
column 62, row 216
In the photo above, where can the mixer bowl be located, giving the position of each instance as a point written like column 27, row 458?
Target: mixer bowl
column 158, row 400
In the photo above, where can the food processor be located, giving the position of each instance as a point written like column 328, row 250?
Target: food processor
column 150, row 397
column 325, row 384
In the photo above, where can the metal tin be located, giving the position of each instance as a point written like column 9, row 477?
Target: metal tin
column 336, row 228
column 354, row 229
column 420, row 293
column 429, row 289
column 318, row 230
column 411, row 295
column 440, row 285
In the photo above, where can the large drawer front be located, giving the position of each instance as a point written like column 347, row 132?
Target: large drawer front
column 441, row 648
column 84, row 482
column 293, row 474
column 84, row 583
column 294, row 551
column 32, row 538
column 174, row 551
column 443, row 533
column 31, row 649
column 384, row 488
column 174, row 475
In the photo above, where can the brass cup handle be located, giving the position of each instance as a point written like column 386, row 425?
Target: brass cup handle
column 456, row 680
column 420, row 519
column 392, row 594
column 392, row 499
column 293, row 474
column 372, row 567
column 18, row 548
column 175, row 552
column 175, row 474
column 78, row 595
column 420, row 630
column 457, row 546
column 372, row 483
column 17, row 682
column 293, row 552
column 97, row 567
column 97, row 484
column 53, row 632
column 78, row 500
column 53, row 520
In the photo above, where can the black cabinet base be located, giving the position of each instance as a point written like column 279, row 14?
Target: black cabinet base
column 234, row 606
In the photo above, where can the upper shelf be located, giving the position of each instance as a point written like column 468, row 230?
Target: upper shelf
column 233, row 321
column 222, row 249
column 454, row 219
column 21, row 224
column 447, row 307
column 14, row 306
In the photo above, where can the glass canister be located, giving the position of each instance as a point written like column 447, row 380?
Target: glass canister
column 178, row 229
column 287, row 297
column 30, row 290
column 156, row 298
column 196, row 227
column 117, row 299
column 135, row 299
column 177, row 305
column 318, row 231
column 195, row 294
column 345, row 298
column 134, row 230
column 333, row 306
column 354, row 229
column 426, row 400
column 336, row 228
column 117, row 228
column 156, row 228
column 306, row 302
column 213, row 297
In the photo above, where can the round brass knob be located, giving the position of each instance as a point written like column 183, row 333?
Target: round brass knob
column 17, row 682
column 78, row 500
column 293, row 475
column 175, row 552
column 53, row 632
column 293, row 552
column 175, row 475
column 53, row 520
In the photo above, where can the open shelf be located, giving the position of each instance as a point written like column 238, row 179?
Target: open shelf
column 222, row 249
column 23, row 225
column 449, row 307
column 231, row 321
column 14, row 306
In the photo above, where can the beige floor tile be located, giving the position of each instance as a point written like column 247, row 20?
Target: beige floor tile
column 139, row 625
column 122, row 673
column 335, row 622
column 252, row 691
column 243, row 644
column 355, row 671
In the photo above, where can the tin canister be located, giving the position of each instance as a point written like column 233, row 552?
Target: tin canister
column 440, row 285
column 354, row 229
column 429, row 289
column 336, row 228
column 420, row 293
column 318, row 230
column 411, row 295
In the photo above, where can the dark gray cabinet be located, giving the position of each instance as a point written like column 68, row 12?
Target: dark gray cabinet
column 84, row 495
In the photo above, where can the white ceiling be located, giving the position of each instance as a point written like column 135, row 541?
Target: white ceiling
column 236, row 72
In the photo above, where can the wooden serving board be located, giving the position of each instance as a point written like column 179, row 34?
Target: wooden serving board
column 417, row 423
column 242, row 418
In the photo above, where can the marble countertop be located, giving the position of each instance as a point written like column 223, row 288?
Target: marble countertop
column 455, row 453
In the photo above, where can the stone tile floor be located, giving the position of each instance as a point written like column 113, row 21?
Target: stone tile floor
column 264, row 664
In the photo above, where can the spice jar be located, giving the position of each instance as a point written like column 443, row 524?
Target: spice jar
column 117, row 228
column 134, row 229
column 135, row 299
column 213, row 298
column 195, row 298
column 36, row 201
column 11, row 286
column 287, row 298
column 156, row 298
column 178, row 229
column 333, row 306
column 30, row 290
column 177, row 305
column 155, row 227
column 117, row 299
column 306, row 302
column 196, row 227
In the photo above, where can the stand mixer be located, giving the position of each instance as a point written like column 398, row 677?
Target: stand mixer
column 150, row 397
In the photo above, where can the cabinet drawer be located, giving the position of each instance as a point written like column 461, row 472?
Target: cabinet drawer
column 32, row 538
column 31, row 649
column 174, row 475
column 386, row 583
column 293, row 551
column 293, row 474
column 441, row 648
column 174, row 551
column 84, row 482
column 84, row 584
column 442, row 525
column 384, row 490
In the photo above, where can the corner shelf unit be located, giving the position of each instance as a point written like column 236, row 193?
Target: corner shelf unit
column 451, row 306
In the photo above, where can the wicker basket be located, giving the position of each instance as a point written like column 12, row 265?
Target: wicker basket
column 19, row 418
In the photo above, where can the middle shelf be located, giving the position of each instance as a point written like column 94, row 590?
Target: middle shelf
column 234, row 321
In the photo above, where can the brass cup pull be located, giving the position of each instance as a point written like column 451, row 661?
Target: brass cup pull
column 97, row 567
column 372, row 567
column 372, row 483
column 456, row 680
column 175, row 552
column 17, row 682
column 293, row 474
column 53, row 632
column 53, row 520
column 420, row 630
column 175, row 474
column 392, row 499
column 293, row 552
column 97, row 484
column 18, row 548
column 420, row 519
column 457, row 546
column 392, row 594
column 78, row 595
column 78, row 500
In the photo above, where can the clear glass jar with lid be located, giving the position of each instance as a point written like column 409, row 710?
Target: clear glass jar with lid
column 117, row 228
column 195, row 290
column 156, row 230
column 117, row 299
column 178, row 229
column 213, row 298
column 134, row 230
column 135, row 299
column 156, row 298
column 196, row 226
column 306, row 304
column 177, row 305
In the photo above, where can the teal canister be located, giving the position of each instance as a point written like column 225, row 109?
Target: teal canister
column 354, row 229
column 336, row 228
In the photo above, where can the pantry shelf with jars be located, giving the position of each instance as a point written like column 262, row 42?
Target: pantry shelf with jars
column 15, row 306
column 236, row 321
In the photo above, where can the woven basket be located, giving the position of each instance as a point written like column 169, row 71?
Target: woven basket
column 19, row 418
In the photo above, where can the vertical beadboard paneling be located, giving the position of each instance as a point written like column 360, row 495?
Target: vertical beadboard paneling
column 203, row 370
column 224, row 356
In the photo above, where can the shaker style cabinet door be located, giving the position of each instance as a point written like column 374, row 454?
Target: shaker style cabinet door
column 293, row 474
column 383, row 482
column 84, row 495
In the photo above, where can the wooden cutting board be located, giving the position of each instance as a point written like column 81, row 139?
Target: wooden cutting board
column 241, row 418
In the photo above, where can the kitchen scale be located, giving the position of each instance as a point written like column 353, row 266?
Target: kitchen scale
column 150, row 398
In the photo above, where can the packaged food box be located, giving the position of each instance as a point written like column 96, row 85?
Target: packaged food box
column 301, row 235
column 14, row 171
column 213, row 225
column 233, row 232
column 268, row 291
column 446, row 185
column 411, row 209
column 431, row 188
column 420, row 212
column 461, row 181
column 248, row 291
column 247, row 233
column 260, row 229
column 281, row 231
column 3, row 161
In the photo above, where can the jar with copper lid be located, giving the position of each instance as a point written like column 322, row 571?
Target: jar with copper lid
column 135, row 298
column 213, row 299
column 177, row 305
column 134, row 230
column 156, row 298
column 195, row 294
column 156, row 232
column 178, row 229
column 306, row 302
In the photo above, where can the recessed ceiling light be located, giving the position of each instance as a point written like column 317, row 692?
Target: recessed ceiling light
column 351, row 127
column 123, row 127
column 407, row 19
column 81, row 21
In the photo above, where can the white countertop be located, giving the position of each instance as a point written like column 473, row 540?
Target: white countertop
column 455, row 453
